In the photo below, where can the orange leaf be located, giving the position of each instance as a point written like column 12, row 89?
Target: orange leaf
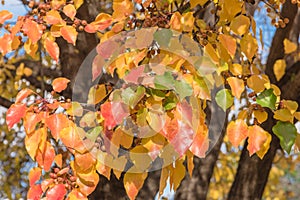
column 56, row 123
column 236, row 85
column 45, row 157
column 32, row 142
column 34, row 192
column 76, row 195
column 23, row 94
column 175, row 22
column 200, row 143
column 58, row 160
column 72, row 138
column 5, row 15
column 133, row 182
column 5, row 44
column 87, row 182
column 257, row 137
column 70, row 11
column 102, row 21
column 84, row 162
column 237, row 131
column 34, row 175
column 229, row 43
column 57, row 192
column 32, row 30
column 14, row 114
column 122, row 9
column 52, row 48
column 59, row 84
column 69, row 33
column 53, row 17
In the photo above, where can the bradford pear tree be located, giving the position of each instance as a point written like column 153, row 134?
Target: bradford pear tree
column 150, row 106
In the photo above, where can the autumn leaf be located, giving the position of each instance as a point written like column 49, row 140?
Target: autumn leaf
column 53, row 17
column 133, row 182
column 5, row 15
column 237, row 131
column 34, row 192
column 224, row 99
column 56, row 192
column 78, row 3
column 122, row 9
column 60, row 84
column 75, row 194
column 96, row 94
column 70, row 11
column 200, row 143
column 194, row 3
column 289, row 46
column 101, row 22
column 178, row 174
column 57, row 122
column 24, row 93
column 32, row 142
column 34, row 175
column 257, row 137
column 240, row 24
column 32, row 30
column 15, row 113
column 249, row 46
column 287, row 133
column 257, row 82
column 237, row 86
column 279, row 68
column 45, row 156
column 175, row 22
column 5, row 44
column 52, row 48
column 69, row 33
column 72, row 136
column 229, row 43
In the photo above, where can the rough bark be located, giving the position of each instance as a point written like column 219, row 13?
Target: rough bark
column 252, row 173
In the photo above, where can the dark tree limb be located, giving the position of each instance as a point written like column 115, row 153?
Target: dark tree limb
column 5, row 102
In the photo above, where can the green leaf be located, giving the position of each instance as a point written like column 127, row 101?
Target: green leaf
column 127, row 95
column 267, row 99
column 287, row 133
column 170, row 102
column 164, row 82
column 93, row 133
column 163, row 37
column 224, row 99
column 183, row 89
column 139, row 94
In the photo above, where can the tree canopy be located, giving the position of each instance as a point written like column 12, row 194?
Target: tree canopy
column 128, row 97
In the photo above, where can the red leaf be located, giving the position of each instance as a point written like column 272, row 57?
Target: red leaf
column 5, row 15
column 46, row 184
column 34, row 175
column 237, row 131
column 34, row 192
column 69, row 33
column 106, row 112
column 23, row 94
column 107, row 48
column 52, row 48
column 59, row 84
column 97, row 66
column 90, row 28
column 200, row 143
column 56, row 123
column 32, row 30
column 103, row 21
column 57, row 192
column 14, row 114
column 135, row 74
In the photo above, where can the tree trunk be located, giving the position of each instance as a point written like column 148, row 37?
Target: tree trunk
column 252, row 173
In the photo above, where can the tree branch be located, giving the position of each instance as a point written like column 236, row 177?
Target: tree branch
column 5, row 102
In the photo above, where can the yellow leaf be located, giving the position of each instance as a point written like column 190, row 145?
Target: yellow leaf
column 230, row 8
column 190, row 162
column 194, row 3
column 163, row 179
column 178, row 174
column 265, row 147
column 249, row 46
column 289, row 46
column 122, row 8
column 187, row 21
column 27, row 71
column 279, row 68
column 240, row 24
column 236, row 69
column 229, row 43
column 261, row 116
column 290, row 105
column 78, row 3
column 283, row 115
column 133, row 182
column 96, row 94
column 175, row 22
column 70, row 11
column 257, row 83
column 211, row 52
column 297, row 115
column 139, row 156
column 237, row 86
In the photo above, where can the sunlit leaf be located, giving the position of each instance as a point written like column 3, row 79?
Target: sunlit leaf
column 35, row 192
column 267, row 99
column 224, row 99
column 52, row 48
column 279, row 68
column 5, row 15
column 287, row 133
column 289, row 46
column 32, row 142
column 283, row 115
column 249, row 46
column 261, row 116
column 200, row 143
column 178, row 174
column 32, row 30
column 194, row 3
column 229, row 43
column 257, row 82
column 236, row 85
column 240, row 24
column 53, row 17
column 70, row 11
column 69, row 33
column 15, row 113
column 257, row 137
column 56, row 192
column 237, row 131
column 133, row 182
column 96, row 94
column 60, row 84
column 75, row 194
column 57, row 122
column 265, row 147
column 122, row 8
column 34, row 175
column 45, row 156
column 78, row 3
column 75, row 109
